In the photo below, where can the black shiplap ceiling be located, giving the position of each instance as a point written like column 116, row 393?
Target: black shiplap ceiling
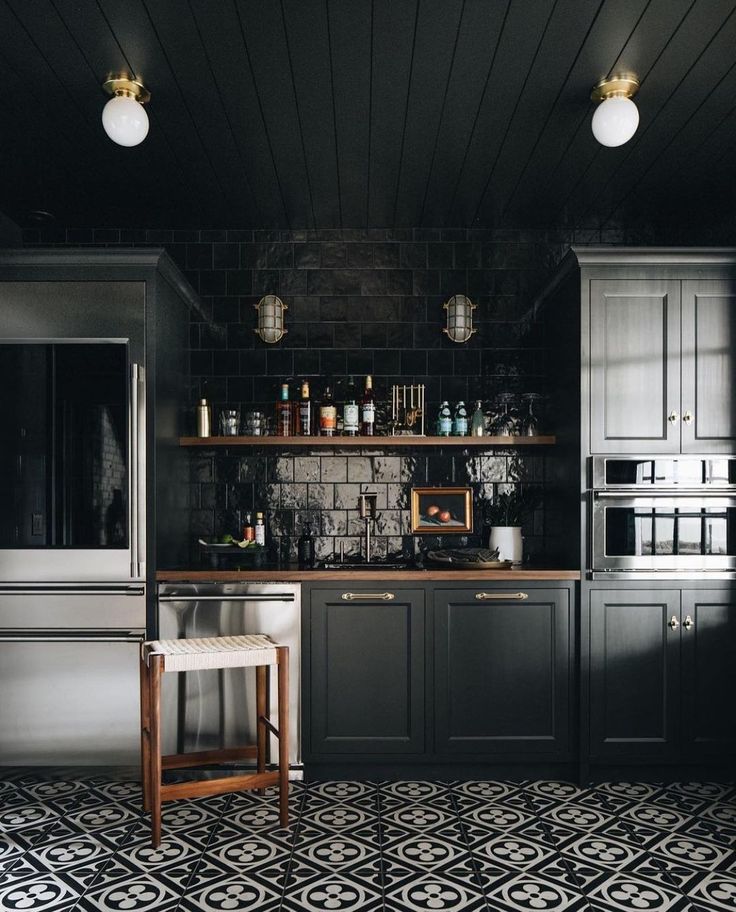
column 357, row 113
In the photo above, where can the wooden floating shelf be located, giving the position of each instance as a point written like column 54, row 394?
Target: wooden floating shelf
column 370, row 442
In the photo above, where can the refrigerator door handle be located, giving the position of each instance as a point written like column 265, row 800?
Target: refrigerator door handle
column 71, row 636
column 71, row 590
column 137, row 470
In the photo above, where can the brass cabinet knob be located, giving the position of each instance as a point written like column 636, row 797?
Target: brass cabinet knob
column 672, row 417
column 673, row 622
column 688, row 623
column 687, row 417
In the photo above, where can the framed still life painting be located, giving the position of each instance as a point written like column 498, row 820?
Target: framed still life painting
column 441, row 511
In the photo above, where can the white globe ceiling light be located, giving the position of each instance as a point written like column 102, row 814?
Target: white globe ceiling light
column 616, row 117
column 123, row 117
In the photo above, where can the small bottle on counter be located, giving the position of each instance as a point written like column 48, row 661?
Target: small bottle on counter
column 305, row 548
column 460, row 420
column 260, row 530
column 444, row 420
column 478, row 426
column 204, row 419
column 249, row 532
column 284, row 414
column 327, row 414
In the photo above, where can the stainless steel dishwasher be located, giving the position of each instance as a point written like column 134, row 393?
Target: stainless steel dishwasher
column 203, row 710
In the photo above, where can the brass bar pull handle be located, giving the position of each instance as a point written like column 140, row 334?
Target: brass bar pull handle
column 673, row 622
column 505, row 596
column 688, row 622
column 373, row 596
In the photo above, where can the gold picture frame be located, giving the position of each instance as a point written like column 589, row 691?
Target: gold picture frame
column 429, row 506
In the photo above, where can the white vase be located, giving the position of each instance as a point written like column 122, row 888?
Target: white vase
column 509, row 542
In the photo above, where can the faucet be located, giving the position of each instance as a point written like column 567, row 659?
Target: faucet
column 367, row 509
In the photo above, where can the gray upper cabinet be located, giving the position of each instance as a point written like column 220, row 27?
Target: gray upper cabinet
column 708, row 336
column 658, row 333
column 635, row 366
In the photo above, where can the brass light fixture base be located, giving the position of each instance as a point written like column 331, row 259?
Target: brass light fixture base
column 625, row 86
column 125, row 85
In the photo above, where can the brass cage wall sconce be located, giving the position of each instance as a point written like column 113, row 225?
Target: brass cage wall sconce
column 459, row 318
column 270, row 311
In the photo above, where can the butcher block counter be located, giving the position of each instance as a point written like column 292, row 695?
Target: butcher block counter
column 384, row 575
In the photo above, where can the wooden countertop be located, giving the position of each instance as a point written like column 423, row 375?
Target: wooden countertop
column 298, row 576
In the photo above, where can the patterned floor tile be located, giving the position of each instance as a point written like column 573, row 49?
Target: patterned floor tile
column 715, row 891
column 529, row 892
column 142, row 893
column 433, row 891
column 333, row 892
column 40, row 894
column 626, row 893
column 694, row 853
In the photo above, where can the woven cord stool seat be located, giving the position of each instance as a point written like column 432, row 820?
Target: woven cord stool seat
column 247, row 651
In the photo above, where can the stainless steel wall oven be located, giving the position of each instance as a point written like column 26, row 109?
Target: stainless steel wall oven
column 674, row 516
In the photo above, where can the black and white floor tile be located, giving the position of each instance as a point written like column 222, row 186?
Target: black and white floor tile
column 81, row 844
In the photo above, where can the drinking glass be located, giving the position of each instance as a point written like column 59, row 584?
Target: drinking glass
column 530, row 422
column 229, row 422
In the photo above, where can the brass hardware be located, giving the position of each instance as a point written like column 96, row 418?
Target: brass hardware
column 672, row 417
column 624, row 86
column 688, row 622
column 673, row 622
column 687, row 417
column 373, row 596
column 505, row 596
column 127, row 85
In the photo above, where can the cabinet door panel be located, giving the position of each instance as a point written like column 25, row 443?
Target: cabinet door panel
column 634, row 674
column 502, row 672
column 708, row 339
column 367, row 666
column 635, row 366
column 709, row 674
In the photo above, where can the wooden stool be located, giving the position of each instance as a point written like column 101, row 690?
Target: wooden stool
column 159, row 656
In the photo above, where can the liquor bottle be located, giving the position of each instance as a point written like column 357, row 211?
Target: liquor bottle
column 350, row 411
column 460, row 420
column 260, row 530
column 305, row 548
column 327, row 415
column 248, row 530
column 444, row 420
column 284, row 413
column 304, row 423
column 478, row 425
column 368, row 409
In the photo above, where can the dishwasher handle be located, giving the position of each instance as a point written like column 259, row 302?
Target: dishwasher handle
column 226, row 597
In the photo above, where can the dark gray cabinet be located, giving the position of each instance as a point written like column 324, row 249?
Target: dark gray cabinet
column 502, row 671
column 661, row 363
column 708, row 638
column 708, row 342
column 662, row 675
column 634, row 673
column 366, row 649
column 635, row 365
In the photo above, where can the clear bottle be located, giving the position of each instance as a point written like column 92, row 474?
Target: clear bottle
column 327, row 414
column 368, row 409
column 350, row 412
column 478, row 425
column 460, row 420
column 305, row 548
column 260, row 530
column 444, row 420
column 284, row 413
column 304, row 412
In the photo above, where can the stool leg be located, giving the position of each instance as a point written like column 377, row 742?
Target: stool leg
column 283, row 695
column 145, row 736
column 157, row 664
column 261, row 713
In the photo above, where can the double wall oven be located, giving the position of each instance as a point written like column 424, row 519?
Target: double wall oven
column 72, row 521
column 662, row 516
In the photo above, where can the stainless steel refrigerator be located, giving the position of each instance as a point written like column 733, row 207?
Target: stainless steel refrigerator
column 79, row 440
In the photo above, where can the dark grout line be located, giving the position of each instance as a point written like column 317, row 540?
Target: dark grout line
column 473, row 860
column 297, row 827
